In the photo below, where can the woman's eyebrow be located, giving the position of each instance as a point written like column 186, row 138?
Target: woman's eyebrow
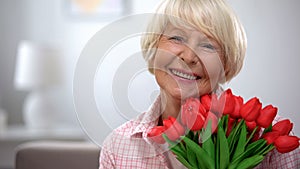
column 174, row 30
column 202, row 37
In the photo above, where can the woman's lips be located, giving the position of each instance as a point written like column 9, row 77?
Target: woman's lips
column 185, row 75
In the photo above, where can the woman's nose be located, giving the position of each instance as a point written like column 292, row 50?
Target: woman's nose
column 189, row 56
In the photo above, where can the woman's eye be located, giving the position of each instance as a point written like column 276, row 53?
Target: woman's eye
column 176, row 39
column 209, row 47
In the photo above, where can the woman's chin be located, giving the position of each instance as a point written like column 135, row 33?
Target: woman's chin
column 181, row 95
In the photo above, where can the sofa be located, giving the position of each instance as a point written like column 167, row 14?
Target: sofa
column 57, row 155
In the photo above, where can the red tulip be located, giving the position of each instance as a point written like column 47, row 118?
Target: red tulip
column 196, row 124
column 285, row 144
column 238, row 104
column 210, row 102
column 193, row 114
column 266, row 116
column 283, row 127
column 216, row 105
column 206, row 101
column 270, row 137
column 250, row 110
column 173, row 128
column 189, row 110
column 202, row 110
column 250, row 125
column 214, row 121
column 227, row 102
column 155, row 134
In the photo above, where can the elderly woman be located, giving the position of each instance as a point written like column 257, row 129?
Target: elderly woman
column 191, row 48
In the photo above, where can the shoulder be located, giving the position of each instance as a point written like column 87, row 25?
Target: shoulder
column 128, row 132
column 133, row 133
column 275, row 159
column 118, row 135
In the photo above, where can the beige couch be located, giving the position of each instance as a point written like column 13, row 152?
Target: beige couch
column 57, row 155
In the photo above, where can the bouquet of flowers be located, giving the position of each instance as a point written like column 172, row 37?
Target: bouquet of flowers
column 224, row 132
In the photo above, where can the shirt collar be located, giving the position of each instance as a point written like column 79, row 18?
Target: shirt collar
column 147, row 120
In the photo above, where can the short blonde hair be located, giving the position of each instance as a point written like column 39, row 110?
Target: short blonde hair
column 213, row 17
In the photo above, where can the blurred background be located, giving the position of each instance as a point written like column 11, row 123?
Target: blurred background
column 57, row 30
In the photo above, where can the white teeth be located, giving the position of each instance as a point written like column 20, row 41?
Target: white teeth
column 183, row 75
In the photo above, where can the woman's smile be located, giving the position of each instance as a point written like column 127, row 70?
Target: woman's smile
column 184, row 75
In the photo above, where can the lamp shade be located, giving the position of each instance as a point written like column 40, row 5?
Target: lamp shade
column 37, row 66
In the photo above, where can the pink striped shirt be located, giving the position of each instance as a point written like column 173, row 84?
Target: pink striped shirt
column 128, row 147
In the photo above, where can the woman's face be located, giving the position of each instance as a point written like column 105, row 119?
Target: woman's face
column 187, row 63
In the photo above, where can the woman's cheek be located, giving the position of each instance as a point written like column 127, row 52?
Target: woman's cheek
column 162, row 59
column 214, row 68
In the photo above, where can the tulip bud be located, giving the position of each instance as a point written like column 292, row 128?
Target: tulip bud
column 202, row 110
column 266, row 117
column 189, row 110
column 270, row 137
column 216, row 105
column 193, row 114
column 206, row 101
column 155, row 134
column 283, row 127
column 173, row 128
column 214, row 121
column 285, row 144
column 238, row 104
column 227, row 100
column 251, row 125
column 196, row 124
column 250, row 110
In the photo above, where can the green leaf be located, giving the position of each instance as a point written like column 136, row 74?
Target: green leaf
column 223, row 148
column 255, row 144
column 234, row 136
column 202, row 156
column 259, row 147
column 250, row 150
column 266, row 149
column 178, row 152
column 224, row 121
column 251, row 135
column 182, row 146
column 208, row 144
column 191, row 157
column 250, row 162
column 184, row 162
column 240, row 148
column 175, row 147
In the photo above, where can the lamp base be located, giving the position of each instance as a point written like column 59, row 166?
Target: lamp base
column 38, row 111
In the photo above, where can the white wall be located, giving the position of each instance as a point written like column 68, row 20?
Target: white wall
column 12, row 22
column 270, row 69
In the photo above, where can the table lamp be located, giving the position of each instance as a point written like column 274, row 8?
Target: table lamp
column 38, row 69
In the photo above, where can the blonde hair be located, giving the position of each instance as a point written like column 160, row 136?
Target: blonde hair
column 213, row 17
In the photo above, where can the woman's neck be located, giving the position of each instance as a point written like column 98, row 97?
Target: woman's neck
column 170, row 106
